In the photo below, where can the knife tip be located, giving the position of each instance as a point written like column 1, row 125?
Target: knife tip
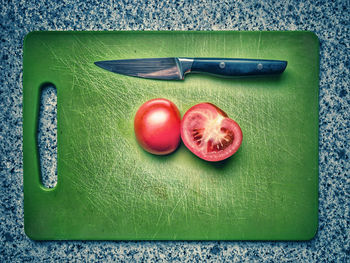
column 100, row 64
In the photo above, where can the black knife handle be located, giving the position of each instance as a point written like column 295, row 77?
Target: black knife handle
column 237, row 67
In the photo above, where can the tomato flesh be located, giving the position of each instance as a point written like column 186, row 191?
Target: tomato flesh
column 157, row 126
column 209, row 133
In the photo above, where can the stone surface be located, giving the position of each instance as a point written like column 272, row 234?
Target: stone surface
column 328, row 19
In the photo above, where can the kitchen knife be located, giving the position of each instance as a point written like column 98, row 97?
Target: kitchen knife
column 176, row 68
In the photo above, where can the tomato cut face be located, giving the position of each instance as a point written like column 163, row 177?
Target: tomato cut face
column 209, row 133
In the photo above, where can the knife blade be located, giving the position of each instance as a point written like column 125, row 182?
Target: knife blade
column 176, row 68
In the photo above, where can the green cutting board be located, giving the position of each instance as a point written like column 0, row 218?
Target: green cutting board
column 110, row 188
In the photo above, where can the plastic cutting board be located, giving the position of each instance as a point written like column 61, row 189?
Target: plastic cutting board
column 110, row 189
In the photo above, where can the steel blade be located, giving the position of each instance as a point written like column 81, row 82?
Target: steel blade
column 151, row 68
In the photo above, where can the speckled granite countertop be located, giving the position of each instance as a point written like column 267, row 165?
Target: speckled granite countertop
column 328, row 19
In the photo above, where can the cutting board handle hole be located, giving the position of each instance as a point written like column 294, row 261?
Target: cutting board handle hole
column 47, row 135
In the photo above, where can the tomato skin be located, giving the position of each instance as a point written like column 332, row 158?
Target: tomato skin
column 157, row 126
column 209, row 133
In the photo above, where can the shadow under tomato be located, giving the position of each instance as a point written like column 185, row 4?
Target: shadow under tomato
column 160, row 158
column 221, row 165
column 224, row 168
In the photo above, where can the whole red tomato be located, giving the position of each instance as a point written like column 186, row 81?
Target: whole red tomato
column 209, row 133
column 157, row 126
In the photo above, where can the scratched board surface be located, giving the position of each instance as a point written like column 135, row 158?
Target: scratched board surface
column 109, row 188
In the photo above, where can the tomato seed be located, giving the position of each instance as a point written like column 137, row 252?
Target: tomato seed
column 197, row 137
column 223, row 129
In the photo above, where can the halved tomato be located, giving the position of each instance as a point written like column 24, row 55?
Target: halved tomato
column 209, row 133
column 157, row 126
